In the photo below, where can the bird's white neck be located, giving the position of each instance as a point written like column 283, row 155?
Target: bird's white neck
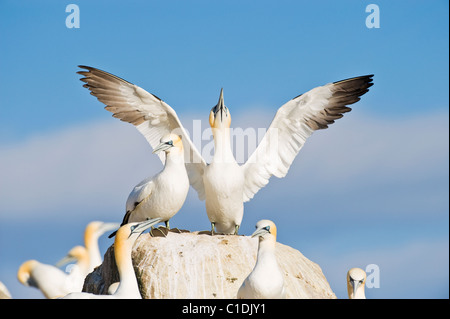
column 266, row 251
column 128, row 285
column 83, row 264
column 222, row 146
column 91, row 244
column 359, row 293
column 174, row 158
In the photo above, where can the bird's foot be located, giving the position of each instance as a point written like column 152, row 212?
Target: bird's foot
column 213, row 226
column 159, row 232
column 178, row 231
column 205, row 232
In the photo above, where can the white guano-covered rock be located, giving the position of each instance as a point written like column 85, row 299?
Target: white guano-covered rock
column 193, row 265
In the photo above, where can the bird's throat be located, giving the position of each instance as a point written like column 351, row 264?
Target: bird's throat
column 222, row 146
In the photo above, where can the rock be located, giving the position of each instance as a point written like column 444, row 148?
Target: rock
column 4, row 292
column 190, row 265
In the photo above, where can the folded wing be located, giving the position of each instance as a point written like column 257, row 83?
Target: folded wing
column 293, row 123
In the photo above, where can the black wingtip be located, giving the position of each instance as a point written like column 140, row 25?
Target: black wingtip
column 85, row 67
column 368, row 77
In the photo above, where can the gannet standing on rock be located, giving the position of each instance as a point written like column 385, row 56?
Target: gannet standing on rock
column 162, row 195
column 356, row 280
column 266, row 281
column 52, row 281
column 123, row 245
column 223, row 179
column 224, row 185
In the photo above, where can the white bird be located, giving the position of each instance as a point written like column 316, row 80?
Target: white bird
column 52, row 281
column 164, row 194
column 356, row 280
column 223, row 184
column 92, row 233
column 123, row 244
column 266, row 281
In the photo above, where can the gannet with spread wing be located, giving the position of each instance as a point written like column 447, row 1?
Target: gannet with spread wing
column 223, row 184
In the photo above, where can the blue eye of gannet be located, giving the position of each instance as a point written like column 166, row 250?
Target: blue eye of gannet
column 267, row 228
column 169, row 143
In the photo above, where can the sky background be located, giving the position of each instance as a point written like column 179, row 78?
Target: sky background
column 371, row 189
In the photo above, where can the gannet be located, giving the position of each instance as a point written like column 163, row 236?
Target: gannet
column 356, row 280
column 164, row 194
column 92, row 233
column 52, row 281
column 266, row 281
column 223, row 184
column 123, row 244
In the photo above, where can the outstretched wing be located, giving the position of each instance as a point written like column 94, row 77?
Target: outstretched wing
column 293, row 123
column 152, row 117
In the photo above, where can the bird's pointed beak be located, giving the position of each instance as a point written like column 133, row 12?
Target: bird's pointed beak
column 259, row 232
column 220, row 98
column 146, row 224
column 161, row 147
column 65, row 260
column 108, row 226
column 219, row 108
column 355, row 285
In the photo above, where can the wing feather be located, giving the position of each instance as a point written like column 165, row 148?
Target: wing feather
column 152, row 116
column 293, row 123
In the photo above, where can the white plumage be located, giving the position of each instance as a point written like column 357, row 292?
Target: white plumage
column 128, row 287
column 266, row 281
column 224, row 185
column 52, row 281
column 163, row 195
column 92, row 233
column 356, row 280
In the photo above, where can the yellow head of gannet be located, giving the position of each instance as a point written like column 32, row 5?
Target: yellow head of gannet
column 266, row 230
column 356, row 280
column 266, row 280
column 79, row 254
column 220, row 117
column 170, row 144
column 123, row 245
column 24, row 273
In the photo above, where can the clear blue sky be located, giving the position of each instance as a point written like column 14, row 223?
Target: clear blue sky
column 373, row 188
